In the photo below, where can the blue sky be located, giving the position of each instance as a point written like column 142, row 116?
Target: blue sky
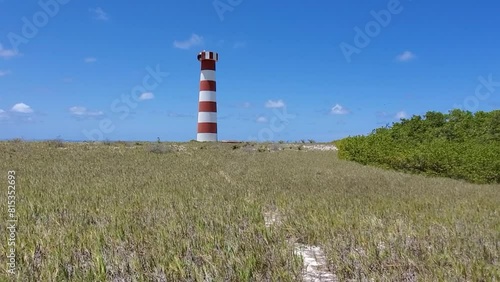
column 318, row 70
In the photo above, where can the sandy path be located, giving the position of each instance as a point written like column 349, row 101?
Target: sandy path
column 314, row 259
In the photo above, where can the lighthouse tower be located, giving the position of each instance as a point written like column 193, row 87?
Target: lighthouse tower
column 207, row 105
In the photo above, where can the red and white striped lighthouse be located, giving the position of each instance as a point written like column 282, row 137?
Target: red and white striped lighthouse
column 207, row 105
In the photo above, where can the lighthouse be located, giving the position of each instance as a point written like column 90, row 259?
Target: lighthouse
column 207, row 105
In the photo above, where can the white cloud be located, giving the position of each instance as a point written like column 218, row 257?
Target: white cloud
column 405, row 56
column 19, row 113
column 83, row 112
column 90, row 60
column 3, row 114
column 77, row 110
column 400, row 115
column 187, row 44
column 7, row 53
column 275, row 104
column 339, row 110
column 4, row 72
column 261, row 119
column 146, row 96
column 99, row 14
column 246, row 105
column 21, row 108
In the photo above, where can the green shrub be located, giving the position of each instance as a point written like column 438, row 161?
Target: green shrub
column 458, row 145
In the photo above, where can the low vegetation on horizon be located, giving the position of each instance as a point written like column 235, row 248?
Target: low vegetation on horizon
column 460, row 145
column 194, row 212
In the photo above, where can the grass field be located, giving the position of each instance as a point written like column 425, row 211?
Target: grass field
column 194, row 212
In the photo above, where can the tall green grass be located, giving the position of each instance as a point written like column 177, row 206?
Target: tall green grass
column 92, row 212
